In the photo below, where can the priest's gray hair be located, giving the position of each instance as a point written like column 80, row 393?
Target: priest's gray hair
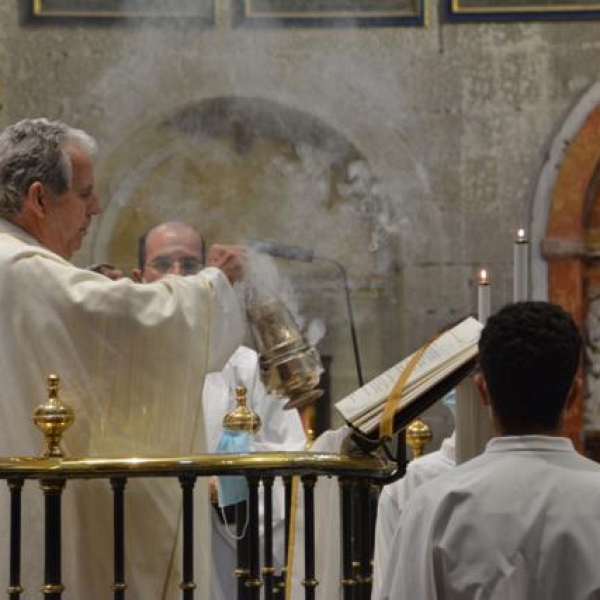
column 35, row 150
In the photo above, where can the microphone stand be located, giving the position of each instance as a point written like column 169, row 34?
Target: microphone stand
column 342, row 271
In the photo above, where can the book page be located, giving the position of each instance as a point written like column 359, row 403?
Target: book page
column 446, row 353
column 371, row 419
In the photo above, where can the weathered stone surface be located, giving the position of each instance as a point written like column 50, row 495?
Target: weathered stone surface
column 452, row 122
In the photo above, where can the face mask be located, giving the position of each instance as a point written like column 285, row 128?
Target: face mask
column 450, row 401
column 232, row 489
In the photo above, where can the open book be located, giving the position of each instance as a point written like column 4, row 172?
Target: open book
column 444, row 363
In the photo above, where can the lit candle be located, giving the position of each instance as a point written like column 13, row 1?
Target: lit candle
column 520, row 271
column 483, row 296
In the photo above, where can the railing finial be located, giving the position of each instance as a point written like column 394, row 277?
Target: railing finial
column 418, row 435
column 241, row 418
column 53, row 418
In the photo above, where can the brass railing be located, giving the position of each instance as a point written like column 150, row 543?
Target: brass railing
column 358, row 477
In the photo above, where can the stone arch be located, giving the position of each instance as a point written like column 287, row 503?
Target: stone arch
column 215, row 157
column 240, row 167
column 566, row 225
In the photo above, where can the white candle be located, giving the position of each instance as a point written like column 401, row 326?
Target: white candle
column 483, row 297
column 521, row 268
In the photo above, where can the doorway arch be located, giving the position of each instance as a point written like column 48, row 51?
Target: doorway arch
column 566, row 232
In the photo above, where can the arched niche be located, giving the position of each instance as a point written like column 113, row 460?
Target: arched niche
column 240, row 168
column 566, row 236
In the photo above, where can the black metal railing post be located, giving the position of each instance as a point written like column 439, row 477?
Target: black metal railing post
column 119, row 586
column 14, row 588
column 253, row 583
column 348, row 580
column 241, row 570
column 188, row 585
column 268, row 569
column 363, row 540
column 52, row 587
column 310, row 581
column 282, row 578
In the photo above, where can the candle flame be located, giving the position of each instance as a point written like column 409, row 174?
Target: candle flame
column 521, row 235
column 483, row 277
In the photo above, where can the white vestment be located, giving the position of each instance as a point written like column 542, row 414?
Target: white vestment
column 281, row 431
column 519, row 522
column 131, row 361
column 327, row 528
column 394, row 497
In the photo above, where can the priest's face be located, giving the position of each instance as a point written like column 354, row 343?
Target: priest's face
column 68, row 215
column 172, row 248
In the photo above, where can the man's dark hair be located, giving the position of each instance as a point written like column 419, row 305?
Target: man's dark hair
column 142, row 247
column 529, row 352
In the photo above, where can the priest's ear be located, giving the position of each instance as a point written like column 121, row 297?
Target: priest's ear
column 481, row 385
column 35, row 199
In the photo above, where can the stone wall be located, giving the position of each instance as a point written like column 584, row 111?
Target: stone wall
column 449, row 123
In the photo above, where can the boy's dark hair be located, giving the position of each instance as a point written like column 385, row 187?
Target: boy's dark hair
column 529, row 353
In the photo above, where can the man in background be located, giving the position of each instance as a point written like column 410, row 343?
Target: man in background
column 522, row 520
column 131, row 361
column 174, row 248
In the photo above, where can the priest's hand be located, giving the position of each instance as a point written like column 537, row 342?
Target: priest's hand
column 230, row 259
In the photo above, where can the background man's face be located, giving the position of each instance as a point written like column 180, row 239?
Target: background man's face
column 173, row 249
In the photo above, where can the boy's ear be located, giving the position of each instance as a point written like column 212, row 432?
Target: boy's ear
column 482, row 388
column 574, row 392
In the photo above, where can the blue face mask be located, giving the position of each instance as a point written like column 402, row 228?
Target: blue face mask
column 232, row 489
column 450, row 401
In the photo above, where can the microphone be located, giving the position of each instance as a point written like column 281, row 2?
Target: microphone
column 279, row 250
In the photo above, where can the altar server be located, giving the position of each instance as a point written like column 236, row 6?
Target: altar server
column 521, row 521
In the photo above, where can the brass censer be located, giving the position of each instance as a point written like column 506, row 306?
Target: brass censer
column 289, row 365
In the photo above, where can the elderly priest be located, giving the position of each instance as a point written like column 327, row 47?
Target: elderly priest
column 131, row 360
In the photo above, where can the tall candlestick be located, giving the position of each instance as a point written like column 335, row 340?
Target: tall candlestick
column 484, row 297
column 521, row 268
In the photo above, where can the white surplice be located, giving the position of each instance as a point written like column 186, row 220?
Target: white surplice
column 519, row 522
column 327, row 527
column 131, row 361
column 394, row 497
column 281, row 431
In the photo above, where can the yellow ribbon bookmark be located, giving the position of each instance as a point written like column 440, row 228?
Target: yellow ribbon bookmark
column 393, row 400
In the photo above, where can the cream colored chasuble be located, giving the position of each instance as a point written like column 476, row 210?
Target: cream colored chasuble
column 132, row 360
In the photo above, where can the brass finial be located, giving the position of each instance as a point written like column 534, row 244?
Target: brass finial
column 53, row 418
column 241, row 418
column 418, row 435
